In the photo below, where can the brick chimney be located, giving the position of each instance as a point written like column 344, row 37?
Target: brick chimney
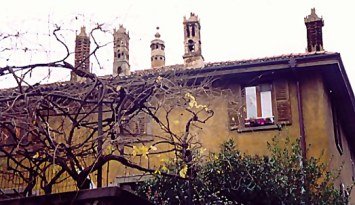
column 82, row 52
column 314, row 26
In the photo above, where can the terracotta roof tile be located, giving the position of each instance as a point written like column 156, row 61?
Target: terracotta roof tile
column 229, row 63
column 180, row 67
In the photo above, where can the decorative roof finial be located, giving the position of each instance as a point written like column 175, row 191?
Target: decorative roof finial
column 312, row 17
column 82, row 31
column 157, row 35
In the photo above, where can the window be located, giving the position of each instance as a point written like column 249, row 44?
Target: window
column 191, row 45
column 118, row 54
column 193, row 30
column 16, row 134
column 259, row 107
column 136, row 126
column 119, row 70
column 188, row 30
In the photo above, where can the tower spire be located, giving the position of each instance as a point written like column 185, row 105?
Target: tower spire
column 192, row 42
column 157, row 51
column 121, row 52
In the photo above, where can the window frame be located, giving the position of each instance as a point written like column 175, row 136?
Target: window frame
column 259, row 120
column 280, row 100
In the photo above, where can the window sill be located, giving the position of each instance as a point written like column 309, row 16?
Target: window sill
column 259, row 121
column 259, row 128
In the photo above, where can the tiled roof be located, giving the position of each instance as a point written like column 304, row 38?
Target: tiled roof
column 179, row 67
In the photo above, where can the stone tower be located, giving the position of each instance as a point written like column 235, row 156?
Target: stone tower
column 314, row 26
column 157, row 54
column 82, row 52
column 121, row 52
column 192, row 42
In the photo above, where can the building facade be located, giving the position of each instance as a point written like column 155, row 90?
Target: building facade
column 303, row 96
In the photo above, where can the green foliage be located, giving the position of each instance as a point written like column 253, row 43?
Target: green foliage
column 230, row 177
column 179, row 190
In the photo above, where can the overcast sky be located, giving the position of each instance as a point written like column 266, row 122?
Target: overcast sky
column 231, row 29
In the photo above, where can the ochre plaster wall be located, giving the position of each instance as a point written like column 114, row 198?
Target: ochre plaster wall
column 339, row 159
column 316, row 115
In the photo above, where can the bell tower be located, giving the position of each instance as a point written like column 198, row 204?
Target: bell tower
column 314, row 26
column 157, row 51
column 192, row 42
column 121, row 65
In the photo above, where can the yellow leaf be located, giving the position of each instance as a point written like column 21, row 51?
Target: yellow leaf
column 183, row 171
column 202, row 150
column 200, row 106
column 153, row 148
column 164, row 169
column 36, row 155
column 157, row 171
column 142, row 150
column 191, row 104
column 110, row 148
column 134, row 152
